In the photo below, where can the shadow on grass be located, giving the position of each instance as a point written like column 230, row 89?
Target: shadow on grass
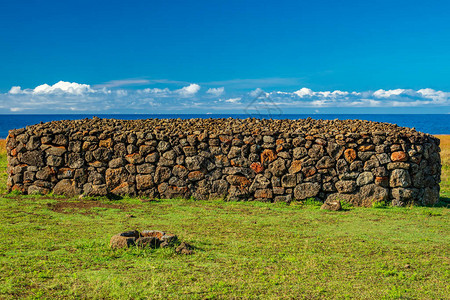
column 114, row 197
column 443, row 202
column 343, row 209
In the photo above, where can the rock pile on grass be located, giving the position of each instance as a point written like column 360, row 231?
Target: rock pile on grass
column 360, row 162
column 147, row 239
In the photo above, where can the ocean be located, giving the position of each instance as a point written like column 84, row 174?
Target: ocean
column 428, row 123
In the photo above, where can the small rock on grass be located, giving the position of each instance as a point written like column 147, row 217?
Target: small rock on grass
column 184, row 248
column 148, row 241
column 119, row 241
column 131, row 233
column 146, row 238
column 333, row 205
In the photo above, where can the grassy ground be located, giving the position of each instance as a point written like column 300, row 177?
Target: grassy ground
column 445, row 157
column 58, row 248
column 3, row 163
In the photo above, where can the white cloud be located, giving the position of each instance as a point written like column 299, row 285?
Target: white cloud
column 63, row 87
column 165, row 91
column 189, row 90
column 75, row 97
column 386, row 94
column 15, row 90
column 304, row 92
column 216, row 91
column 435, row 95
column 338, row 93
column 233, row 100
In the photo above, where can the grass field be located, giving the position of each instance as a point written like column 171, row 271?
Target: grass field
column 53, row 247
column 445, row 157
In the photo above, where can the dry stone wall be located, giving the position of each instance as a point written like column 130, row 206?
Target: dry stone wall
column 268, row 160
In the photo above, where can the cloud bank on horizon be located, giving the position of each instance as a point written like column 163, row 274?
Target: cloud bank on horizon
column 72, row 97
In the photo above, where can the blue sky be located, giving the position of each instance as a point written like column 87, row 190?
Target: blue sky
column 201, row 56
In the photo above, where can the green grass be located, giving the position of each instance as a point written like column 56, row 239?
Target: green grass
column 242, row 250
column 3, row 164
column 51, row 247
column 445, row 174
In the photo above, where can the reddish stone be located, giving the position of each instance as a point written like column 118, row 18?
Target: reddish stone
column 224, row 140
column 66, row 172
column 268, row 155
column 350, row 155
column 18, row 188
column 152, row 233
column 14, row 152
column 364, row 148
column 238, row 180
column 382, row 181
column 106, row 143
column 309, row 171
column 263, row 193
column 280, row 141
column 85, row 146
column 257, row 167
column 177, row 189
column 134, row 158
column 399, row 156
column 96, row 164
column 196, row 175
column 124, row 188
column 296, row 166
column 202, row 137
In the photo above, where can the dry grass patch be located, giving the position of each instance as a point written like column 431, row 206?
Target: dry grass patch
column 445, row 158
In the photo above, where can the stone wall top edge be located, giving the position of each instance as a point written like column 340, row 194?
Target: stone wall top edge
column 250, row 126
